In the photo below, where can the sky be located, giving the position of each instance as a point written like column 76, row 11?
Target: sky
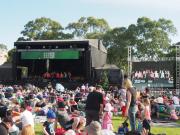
column 14, row 14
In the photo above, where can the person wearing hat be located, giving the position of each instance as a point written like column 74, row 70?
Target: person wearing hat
column 5, row 125
column 94, row 105
column 48, row 126
column 107, row 117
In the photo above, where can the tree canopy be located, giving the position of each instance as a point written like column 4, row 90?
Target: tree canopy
column 148, row 38
column 43, row 29
column 89, row 27
column 151, row 37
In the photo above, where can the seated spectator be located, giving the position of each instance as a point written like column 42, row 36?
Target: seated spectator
column 49, row 124
column 173, row 115
column 63, row 117
column 159, row 100
column 94, row 128
column 175, row 100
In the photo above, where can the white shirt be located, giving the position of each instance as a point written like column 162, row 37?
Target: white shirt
column 27, row 118
column 176, row 100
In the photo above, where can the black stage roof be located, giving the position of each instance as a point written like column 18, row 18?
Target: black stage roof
column 61, row 43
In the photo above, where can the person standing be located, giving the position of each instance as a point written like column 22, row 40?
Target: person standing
column 131, row 102
column 107, row 117
column 94, row 105
column 27, row 121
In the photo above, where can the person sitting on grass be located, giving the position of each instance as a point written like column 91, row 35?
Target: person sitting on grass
column 48, row 126
column 173, row 115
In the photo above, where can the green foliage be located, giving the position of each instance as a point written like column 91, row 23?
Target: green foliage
column 117, row 42
column 43, row 29
column 2, row 46
column 148, row 38
column 104, row 80
column 10, row 55
column 89, row 27
column 152, row 37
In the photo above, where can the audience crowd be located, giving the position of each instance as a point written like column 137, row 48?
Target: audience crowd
column 87, row 110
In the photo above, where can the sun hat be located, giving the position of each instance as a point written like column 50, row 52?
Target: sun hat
column 108, row 107
column 94, row 128
column 51, row 114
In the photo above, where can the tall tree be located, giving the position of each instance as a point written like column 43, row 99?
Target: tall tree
column 148, row 38
column 43, row 29
column 151, row 37
column 79, row 28
column 89, row 27
column 117, row 42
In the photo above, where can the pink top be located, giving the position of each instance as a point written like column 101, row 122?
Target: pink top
column 107, row 121
column 147, row 113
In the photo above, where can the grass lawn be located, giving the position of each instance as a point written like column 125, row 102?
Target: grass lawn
column 118, row 120
column 169, row 131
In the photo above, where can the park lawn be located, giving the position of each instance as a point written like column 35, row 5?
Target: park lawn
column 156, row 130
column 118, row 120
column 38, row 129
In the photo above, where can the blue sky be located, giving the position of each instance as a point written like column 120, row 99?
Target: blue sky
column 14, row 14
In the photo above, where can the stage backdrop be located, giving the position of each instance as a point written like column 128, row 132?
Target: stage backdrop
column 153, row 74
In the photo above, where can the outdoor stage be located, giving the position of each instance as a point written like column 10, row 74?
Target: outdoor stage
column 65, row 60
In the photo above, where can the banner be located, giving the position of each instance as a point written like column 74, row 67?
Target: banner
column 69, row 54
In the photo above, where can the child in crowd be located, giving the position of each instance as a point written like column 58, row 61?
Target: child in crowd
column 147, row 117
column 173, row 115
column 107, row 117
column 48, row 126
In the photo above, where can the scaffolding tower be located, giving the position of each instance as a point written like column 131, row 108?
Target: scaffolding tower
column 178, row 69
column 129, row 61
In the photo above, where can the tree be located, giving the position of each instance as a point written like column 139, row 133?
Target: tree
column 10, row 55
column 3, row 46
column 117, row 42
column 79, row 28
column 151, row 37
column 43, row 29
column 148, row 38
column 89, row 27
column 104, row 80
